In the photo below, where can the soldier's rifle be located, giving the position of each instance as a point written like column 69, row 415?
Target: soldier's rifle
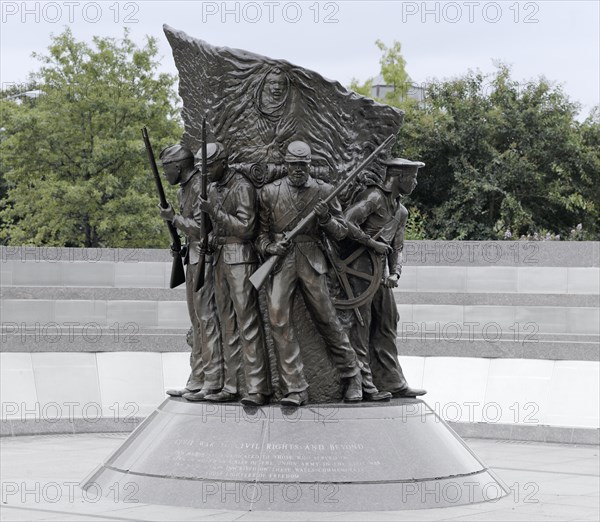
column 177, row 272
column 259, row 277
column 204, row 218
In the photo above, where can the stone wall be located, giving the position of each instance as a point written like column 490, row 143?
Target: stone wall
column 504, row 335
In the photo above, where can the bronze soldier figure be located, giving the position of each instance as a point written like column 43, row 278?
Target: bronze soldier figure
column 206, row 358
column 283, row 203
column 231, row 204
column 378, row 213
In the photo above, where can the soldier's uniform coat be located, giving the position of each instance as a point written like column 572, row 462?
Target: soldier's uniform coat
column 304, row 266
column 206, row 359
column 376, row 212
column 233, row 213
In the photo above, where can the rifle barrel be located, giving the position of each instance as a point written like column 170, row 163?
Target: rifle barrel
column 204, row 217
column 161, row 192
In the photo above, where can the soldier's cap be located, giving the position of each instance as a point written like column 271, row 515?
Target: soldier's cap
column 403, row 165
column 175, row 153
column 298, row 152
column 214, row 151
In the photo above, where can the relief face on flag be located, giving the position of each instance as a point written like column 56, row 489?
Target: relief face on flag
column 256, row 106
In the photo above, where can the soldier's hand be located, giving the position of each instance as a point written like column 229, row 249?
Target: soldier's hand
column 380, row 247
column 203, row 247
column 166, row 213
column 203, row 204
column 321, row 210
column 181, row 252
column 391, row 281
column 212, row 242
column 278, row 248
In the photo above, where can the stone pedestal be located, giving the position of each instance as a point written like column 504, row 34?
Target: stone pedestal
column 322, row 457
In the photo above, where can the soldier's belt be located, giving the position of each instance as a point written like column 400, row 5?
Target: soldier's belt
column 299, row 239
column 230, row 240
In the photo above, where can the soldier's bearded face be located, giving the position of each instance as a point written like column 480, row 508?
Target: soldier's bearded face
column 298, row 173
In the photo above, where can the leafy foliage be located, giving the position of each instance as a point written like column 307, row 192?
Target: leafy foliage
column 393, row 70
column 73, row 161
column 415, row 226
column 501, row 156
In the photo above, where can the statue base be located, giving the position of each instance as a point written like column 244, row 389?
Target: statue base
column 321, row 457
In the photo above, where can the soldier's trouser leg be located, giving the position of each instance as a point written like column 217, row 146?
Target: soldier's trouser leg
column 318, row 301
column 206, row 310
column 280, row 295
column 244, row 298
column 384, row 325
column 232, row 348
column 196, row 378
column 359, row 339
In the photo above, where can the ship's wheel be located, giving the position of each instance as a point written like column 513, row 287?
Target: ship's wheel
column 359, row 274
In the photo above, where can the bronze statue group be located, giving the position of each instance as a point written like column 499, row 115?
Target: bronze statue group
column 236, row 226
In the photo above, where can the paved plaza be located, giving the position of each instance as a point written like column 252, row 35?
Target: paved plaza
column 40, row 475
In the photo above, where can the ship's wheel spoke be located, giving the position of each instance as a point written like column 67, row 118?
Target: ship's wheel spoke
column 357, row 273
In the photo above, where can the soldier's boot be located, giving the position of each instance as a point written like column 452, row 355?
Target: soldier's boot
column 408, row 392
column 354, row 390
column 295, row 399
column 254, row 399
column 376, row 395
column 371, row 393
column 199, row 395
column 180, row 392
column 222, row 396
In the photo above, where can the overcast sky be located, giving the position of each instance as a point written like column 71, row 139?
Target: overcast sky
column 557, row 39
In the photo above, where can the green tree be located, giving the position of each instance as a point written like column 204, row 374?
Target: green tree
column 500, row 156
column 73, row 161
column 393, row 71
column 503, row 156
column 364, row 89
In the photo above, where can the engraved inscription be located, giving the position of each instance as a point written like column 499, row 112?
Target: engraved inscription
column 269, row 462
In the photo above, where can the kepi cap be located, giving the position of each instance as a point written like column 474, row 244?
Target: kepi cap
column 175, row 153
column 214, row 152
column 403, row 164
column 298, row 152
